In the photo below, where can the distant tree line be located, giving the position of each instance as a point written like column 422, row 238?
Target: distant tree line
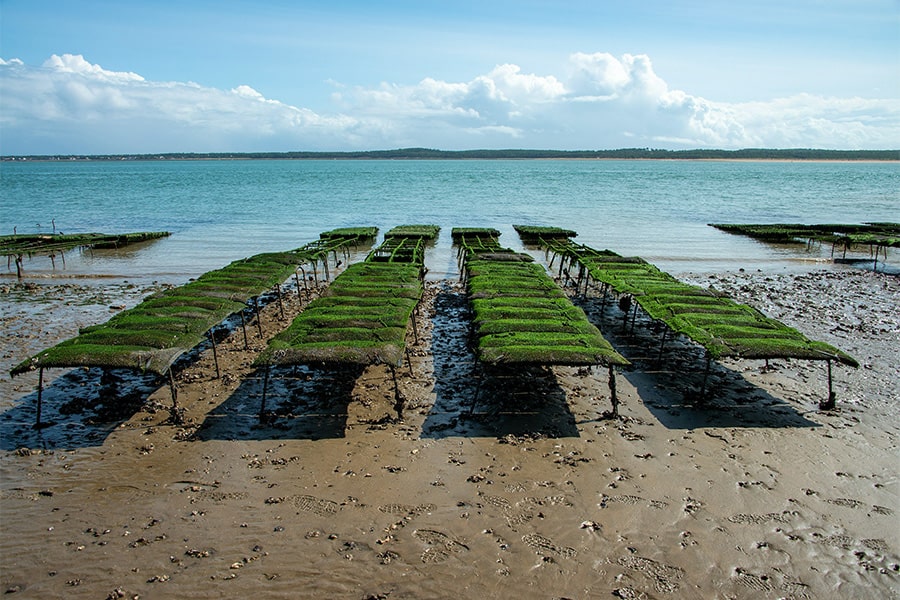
column 431, row 154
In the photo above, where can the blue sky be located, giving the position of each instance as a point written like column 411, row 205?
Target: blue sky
column 98, row 76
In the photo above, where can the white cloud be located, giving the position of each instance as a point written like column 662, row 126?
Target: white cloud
column 69, row 105
column 75, row 63
column 247, row 92
column 601, row 75
column 72, row 106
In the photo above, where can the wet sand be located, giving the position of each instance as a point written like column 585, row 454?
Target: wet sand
column 754, row 493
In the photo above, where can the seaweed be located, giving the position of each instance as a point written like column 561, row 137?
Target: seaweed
column 425, row 232
column 875, row 236
column 719, row 324
column 19, row 246
column 356, row 234
column 153, row 334
column 57, row 242
column 363, row 316
column 535, row 235
column 520, row 315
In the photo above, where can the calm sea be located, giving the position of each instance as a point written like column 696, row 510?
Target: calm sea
column 219, row 211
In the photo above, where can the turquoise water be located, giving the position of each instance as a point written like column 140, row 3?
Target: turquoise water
column 219, row 211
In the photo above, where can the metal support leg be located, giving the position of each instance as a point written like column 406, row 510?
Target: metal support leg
column 634, row 316
column 399, row 401
column 662, row 344
column 305, row 284
column 409, row 362
column 173, row 389
column 174, row 412
column 280, row 300
column 40, row 400
column 258, row 317
column 613, row 398
column 212, row 338
column 244, row 328
column 828, row 404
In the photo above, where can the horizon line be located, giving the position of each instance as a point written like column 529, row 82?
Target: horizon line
column 422, row 152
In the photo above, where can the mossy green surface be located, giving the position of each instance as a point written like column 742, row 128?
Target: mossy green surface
column 520, row 315
column 723, row 326
column 362, row 317
column 869, row 234
column 59, row 242
column 541, row 234
column 154, row 333
column 425, row 232
column 356, row 234
column 461, row 233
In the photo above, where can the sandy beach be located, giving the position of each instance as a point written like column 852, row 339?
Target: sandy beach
column 533, row 493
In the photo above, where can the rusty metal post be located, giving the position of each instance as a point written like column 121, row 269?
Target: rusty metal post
column 37, row 421
column 212, row 338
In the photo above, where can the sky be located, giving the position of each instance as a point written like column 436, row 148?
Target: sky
column 110, row 76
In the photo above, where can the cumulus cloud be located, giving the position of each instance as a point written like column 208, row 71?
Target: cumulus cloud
column 603, row 101
column 75, row 63
column 602, row 76
column 69, row 105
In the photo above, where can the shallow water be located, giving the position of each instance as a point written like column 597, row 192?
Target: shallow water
column 219, row 211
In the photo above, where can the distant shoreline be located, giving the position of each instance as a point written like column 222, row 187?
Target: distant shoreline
column 751, row 154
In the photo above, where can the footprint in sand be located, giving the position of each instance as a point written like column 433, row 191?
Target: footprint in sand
column 765, row 583
column 545, row 546
column 407, row 510
column 745, row 519
column 319, row 506
column 546, row 501
column 838, row 540
column 758, row 583
column 514, row 520
column 217, row 496
column 665, row 577
column 440, row 545
column 628, row 593
column 848, row 502
column 523, row 511
column 497, row 501
column 624, row 499
column 877, row 545
column 631, row 500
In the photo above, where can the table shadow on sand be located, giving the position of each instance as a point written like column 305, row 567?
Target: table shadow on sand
column 675, row 384
column 515, row 400
column 302, row 402
column 80, row 409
